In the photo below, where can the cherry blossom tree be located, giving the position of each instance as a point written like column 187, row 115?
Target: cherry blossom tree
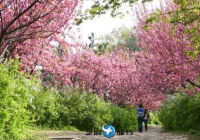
column 113, row 76
column 165, row 64
column 162, row 67
column 26, row 26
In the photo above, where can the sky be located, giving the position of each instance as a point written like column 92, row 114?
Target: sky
column 105, row 23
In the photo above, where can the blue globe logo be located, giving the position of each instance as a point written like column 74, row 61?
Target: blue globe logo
column 108, row 131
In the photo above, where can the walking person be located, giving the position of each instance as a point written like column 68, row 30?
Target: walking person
column 140, row 112
column 146, row 118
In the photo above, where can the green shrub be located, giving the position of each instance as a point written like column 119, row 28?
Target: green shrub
column 181, row 112
column 154, row 118
column 80, row 109
column 44, row 108
column 88, row 111
column 84, row 110
column 14, row 98
column 24, row 102
column 124, row 118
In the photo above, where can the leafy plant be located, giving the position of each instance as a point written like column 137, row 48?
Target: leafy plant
column 14, row 98
column 124, row 118
column 181, row 112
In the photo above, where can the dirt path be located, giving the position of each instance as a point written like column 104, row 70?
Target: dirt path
column 154, row 133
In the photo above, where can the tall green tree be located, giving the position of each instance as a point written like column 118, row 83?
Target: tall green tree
column 123, row 37
column 97, row 47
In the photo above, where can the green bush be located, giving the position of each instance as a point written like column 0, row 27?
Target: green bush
column 25, row 102
column 81, row 109
column 73, row 107
column 154, row 118
column 88, row 111
column 181, row 112
column 14, row 98
column 44, row 108
column 124, row 118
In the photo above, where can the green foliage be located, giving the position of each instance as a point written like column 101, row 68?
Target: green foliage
column 84, row 110
column 186, row 14
column 81, row 109
column 181, row 112
column 154, row 118
column 98, row 48
column 100, row 7
column 14, row 98
column 124, row 118
column 120, row 37
column 24, row 102
column 44, row 108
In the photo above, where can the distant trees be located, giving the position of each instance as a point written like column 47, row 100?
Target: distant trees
column 120, row 38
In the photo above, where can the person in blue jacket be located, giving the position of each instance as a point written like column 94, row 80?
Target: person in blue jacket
column 140, row 112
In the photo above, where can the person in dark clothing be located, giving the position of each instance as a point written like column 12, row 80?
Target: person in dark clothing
column 146, row 118
column 140, row 112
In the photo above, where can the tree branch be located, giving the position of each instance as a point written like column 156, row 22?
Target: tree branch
column 3, row 33
column 192, row 83
column 20, row 14
column 190, row 21
column 1, row 21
